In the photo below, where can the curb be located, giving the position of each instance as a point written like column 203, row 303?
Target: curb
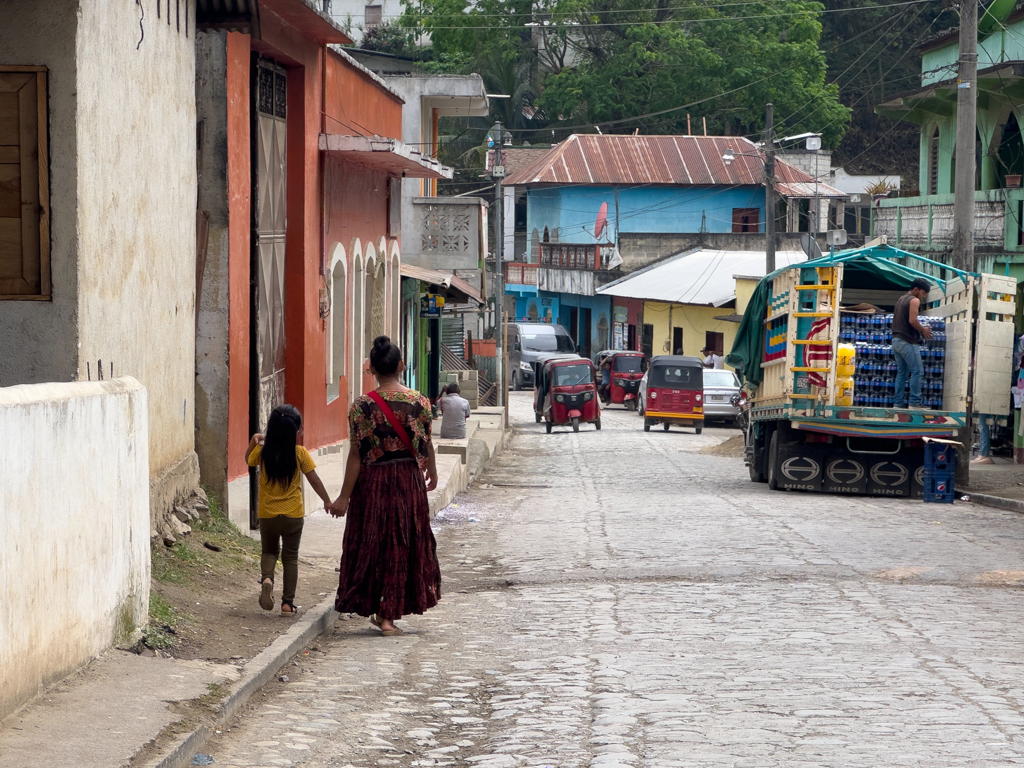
column 1014, row 505
column 256, row 673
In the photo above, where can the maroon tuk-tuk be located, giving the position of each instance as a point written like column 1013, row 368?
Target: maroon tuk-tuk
column 625, row 371
column 565, row 392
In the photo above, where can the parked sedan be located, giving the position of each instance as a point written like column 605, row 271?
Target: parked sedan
column 719, row 387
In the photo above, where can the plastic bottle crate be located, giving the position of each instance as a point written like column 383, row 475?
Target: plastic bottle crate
column 939, row 457
column 939, row 488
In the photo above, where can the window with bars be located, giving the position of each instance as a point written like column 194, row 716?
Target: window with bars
column 24, row 185
column 272, row 90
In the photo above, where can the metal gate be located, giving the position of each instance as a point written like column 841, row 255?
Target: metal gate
column 270, row 96
column 269, row 91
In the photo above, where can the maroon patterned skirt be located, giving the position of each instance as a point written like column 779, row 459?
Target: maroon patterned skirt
column 389, row 561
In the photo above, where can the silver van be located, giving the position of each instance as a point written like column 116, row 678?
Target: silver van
column 528, row 340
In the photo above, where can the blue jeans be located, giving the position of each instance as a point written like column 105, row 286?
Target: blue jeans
column 985, row 436
column 908, row 363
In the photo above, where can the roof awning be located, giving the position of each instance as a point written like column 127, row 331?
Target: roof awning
column 384, row 154
column 452, row 287
column 244, row 16
column 308, row 20
column 804, row 189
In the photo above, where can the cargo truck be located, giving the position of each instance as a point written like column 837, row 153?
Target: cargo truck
column 807, row 430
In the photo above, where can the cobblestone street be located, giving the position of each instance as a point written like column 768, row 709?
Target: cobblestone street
column 618, row 598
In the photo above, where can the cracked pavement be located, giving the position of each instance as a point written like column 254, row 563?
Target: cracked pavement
column 619, row 599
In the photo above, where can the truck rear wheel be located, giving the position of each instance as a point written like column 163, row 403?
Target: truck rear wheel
column 773, row 461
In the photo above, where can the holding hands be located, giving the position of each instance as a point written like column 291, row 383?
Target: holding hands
column 338, row 507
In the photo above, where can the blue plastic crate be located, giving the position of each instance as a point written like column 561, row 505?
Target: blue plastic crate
column 939, row 487
column 939, row 457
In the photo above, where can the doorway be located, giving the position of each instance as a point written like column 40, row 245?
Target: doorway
column 585, row 332
column 677, row 341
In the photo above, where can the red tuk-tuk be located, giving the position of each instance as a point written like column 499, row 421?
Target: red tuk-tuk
column 625, row 370
column 565, row 392
column 672, row 392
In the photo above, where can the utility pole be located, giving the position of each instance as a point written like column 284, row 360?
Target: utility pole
column 770, row 207
column 966, row 131
column 963, row 199
column 498, row 170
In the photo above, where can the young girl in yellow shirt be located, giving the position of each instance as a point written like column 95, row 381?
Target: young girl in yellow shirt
column 282, row 463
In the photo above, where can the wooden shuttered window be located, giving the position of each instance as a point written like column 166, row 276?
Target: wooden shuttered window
column 24, row 193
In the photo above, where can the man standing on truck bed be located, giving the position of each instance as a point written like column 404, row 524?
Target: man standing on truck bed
column 907, row 336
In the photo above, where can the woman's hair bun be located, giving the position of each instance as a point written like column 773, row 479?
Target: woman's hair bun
column 385, row 357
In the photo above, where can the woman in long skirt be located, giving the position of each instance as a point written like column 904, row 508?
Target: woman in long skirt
column 389, row 565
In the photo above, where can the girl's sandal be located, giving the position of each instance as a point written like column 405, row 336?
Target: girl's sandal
column 267, row 595
column 289, row 609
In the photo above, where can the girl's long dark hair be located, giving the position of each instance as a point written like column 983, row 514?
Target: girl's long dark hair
column 278, row 460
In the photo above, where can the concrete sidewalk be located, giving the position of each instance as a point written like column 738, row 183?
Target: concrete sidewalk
column 997, row 485
column 157, row 711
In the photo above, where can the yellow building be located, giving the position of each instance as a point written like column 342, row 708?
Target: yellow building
column 694, row 299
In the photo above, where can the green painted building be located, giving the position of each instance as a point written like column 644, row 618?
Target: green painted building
column 924, row 223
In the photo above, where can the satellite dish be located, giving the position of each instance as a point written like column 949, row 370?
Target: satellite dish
column 602, row 221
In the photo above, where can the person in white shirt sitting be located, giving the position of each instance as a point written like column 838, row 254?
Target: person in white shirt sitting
column 454, row 412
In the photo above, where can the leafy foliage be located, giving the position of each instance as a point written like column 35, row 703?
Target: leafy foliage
column 872, row 55
column 389, row 37
column 628, row 64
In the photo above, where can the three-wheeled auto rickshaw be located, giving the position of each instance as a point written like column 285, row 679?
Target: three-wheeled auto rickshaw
column 672, row 392
column 565, row 392
column 627, row 368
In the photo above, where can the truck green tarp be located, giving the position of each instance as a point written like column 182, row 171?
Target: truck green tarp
column 866, row 268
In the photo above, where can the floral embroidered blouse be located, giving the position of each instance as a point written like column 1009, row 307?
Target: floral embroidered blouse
column 370, row 428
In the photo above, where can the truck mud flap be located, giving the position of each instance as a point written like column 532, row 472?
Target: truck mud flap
column 800, row 467
column 890, row 476
column 834, row 469
column 845, row 473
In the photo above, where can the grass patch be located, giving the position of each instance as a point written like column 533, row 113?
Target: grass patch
column 166, row 567
column 163, row 620
column 188, row 558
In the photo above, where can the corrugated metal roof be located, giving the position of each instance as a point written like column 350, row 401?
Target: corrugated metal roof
column 702, row 276
column 676, row 160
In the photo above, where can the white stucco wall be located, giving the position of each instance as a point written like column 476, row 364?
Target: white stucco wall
column 74, row 528
column 136, row 216
column 38, row 339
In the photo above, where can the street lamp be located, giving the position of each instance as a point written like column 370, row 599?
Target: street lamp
column 728, row 157
column 498, row 171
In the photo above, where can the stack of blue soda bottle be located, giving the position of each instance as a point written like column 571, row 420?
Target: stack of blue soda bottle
column 875, row 379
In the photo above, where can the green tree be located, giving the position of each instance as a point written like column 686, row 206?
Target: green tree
column 872, row 53
column 632, row 59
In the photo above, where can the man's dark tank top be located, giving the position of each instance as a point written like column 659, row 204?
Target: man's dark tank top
column 901, row 326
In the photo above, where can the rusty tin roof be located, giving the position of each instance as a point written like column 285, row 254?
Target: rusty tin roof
column 674, row 160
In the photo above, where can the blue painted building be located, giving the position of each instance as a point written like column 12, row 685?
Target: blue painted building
column 585, row 198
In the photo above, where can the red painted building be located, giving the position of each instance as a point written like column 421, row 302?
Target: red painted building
column 299, row 159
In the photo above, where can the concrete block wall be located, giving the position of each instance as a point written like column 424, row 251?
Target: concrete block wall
column 469, row 385
column 74, row 528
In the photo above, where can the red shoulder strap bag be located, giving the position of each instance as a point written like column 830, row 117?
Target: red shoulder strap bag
column 393, row 420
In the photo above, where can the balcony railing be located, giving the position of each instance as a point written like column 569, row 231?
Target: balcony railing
column 926, row 222
column 572, row 256
column 519, row 273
